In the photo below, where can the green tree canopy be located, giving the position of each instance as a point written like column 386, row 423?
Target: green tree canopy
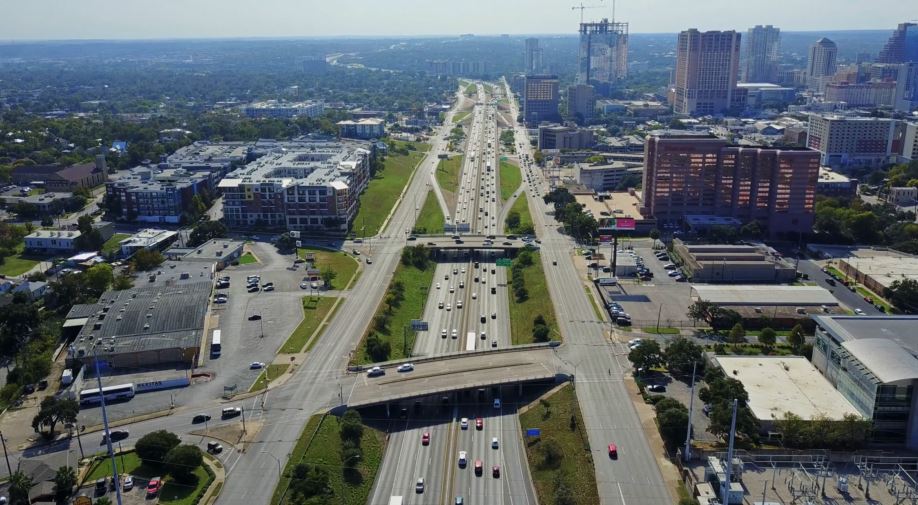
column 153, row 447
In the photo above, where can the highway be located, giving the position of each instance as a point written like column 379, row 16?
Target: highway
column 610, row 416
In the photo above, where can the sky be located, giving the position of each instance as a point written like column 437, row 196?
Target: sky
column 151, row 19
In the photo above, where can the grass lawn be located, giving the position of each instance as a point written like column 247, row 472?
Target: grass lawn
column 510, row 179
column 172, row 493
column 521, row 205
column 574, row 469
column 113, row 244
column 385, row 187
column 448, row 172
column 343, row 264
column 471, row 90
column 416, row 283
column 247, row 259
column 661, row 330
column 350, row 487
column 314, row 311
column 523, row 313
column 596, row 309
column 459, row 116
column 430, row 219
column 18, row 263
column 273, row 371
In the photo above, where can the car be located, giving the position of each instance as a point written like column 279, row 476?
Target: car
column 707, row 408
column 405, row 367
column 673, row 273
column 375, row 372
column 425, row 438
column 214, row 447
column 497, row 403
column 868, row 300
column 304, row 285
column 613, row 451
column 464, row 423
column 128, row 483
column 495, row 471
column 482, row 318
column 355, row 252
column 440, row 304
column 680, row 278
column 669, row 266
column 153, row 487
column 449, row 306
column 478, row 467
column 479, row 424
column 200, row 418
column 463, row 459
column 116, row 435
column 443, row 333
column 250, row 278
column 474, row 296
column 419, row 487
column 101, row 486
column 229, row 412
column 493, row 314
column 256, row 365
column 220, row 299
column 635, row 341
column 446, row 277
column 452, row 289
column 494, row 444
column 253, row 289
column 438, row 285
column 494, row 343
column 459, row 304
column 455, row 333
column 657, row 388
column 859, row 312
column 269, row 288
column 455, row 271
column 459, row 501
column 484, row 336
column 255, row 317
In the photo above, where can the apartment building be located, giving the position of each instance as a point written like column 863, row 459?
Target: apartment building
column 366, row 128
column 308, row 186
column 276, row 109
column 707, row 65
column 700, row 174
column 564, row 137
column 851, row 141
column 153, row 195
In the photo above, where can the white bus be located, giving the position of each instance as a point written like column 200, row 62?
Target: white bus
column 111, row 393
column 470, row 341
column 215, row 345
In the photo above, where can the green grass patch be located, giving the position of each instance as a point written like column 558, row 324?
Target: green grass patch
column 596, row 309
column 320, row 445
column 172, row 493
column 573, row 468
column 417, row 283
column 448, row 172
column 343, row 264
column 386, row 186
column 660, row 330
column 471, row 90
column 510, row 179
column 273, row 373
column 18, row 263
column 113, row 245
column 247, row 259
column 430, row 217
column 522, row 314
column 521, row 207
column 459, row 116
column 314, row 311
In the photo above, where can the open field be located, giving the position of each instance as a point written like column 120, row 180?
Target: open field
column 510, row 179
column 430, row 217
column 448, row 172
column 18, row 263
column 172, row 493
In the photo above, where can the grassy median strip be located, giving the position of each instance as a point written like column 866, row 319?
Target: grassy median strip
column 459, row 116
column 273, row 372
column 510, row 179
column 448, row 172
column 537, row 302
column 386, row 186
column 519, row 221
column 389, row 336
column 318, row 454
column 559, row 459
column 342, row 264
column 430, row 217
column 596, row 309
column 314, row 311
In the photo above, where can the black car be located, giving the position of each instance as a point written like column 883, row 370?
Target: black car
column 255, row 317
column 116, row 436
column 657, row 388
column 200, row 418
column 253, row 289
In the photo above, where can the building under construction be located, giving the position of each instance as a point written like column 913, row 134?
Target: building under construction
column 603, row 52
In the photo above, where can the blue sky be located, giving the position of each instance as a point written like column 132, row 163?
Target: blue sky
column 133, row 19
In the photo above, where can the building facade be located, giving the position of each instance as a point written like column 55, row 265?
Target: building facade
column 51, row 241
column 707, row 64
column 821, row 64
column 581, row 102
column 62, row 179
column 763, row 43
column 150, row 195
column 533, row 57
column 867, row 94
column 848, row 141
column 909, row 141
column 902, row 46
column 275, row 109
column 603, row 54
column 700, row 174
column 366, row 128
column 540, row 99
column 564, row 137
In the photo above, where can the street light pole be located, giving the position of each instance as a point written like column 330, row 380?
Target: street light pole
column 686, row 454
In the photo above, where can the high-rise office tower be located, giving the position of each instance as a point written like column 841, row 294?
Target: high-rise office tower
column 761, row 61
column 533, row 57
column 707, row 64
column 603, row 56
column 906, row 98
column 581, row 100
column 902, row 47
column 821, row 63
column 540, row 99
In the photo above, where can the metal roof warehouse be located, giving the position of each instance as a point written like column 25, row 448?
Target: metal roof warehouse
column 763, row 295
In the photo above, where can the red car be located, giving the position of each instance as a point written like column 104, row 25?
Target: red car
column 425, row 438
column 479, row 424
column 495, row 471
column 613, row 451
column 868, row 299
column 478, row 467
column 153, row 487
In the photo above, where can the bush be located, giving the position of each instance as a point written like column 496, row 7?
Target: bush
column 153, row 447
column 182, row 461
column 551, row 454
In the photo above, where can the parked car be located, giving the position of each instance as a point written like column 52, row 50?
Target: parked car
column 153, row 487
column 128, row 483
column 657, row 388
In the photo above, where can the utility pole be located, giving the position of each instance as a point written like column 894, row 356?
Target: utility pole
column 725, row 487
column 5, row 455
column 687, row 453
column 108, row 435
column 79, row 443
column 243, row 417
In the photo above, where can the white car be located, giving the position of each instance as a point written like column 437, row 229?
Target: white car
column 375, row 371
column 440, row 304
column 405, row 367
column 443, row 333
column 128, row 483
column 452, row 290
column 455, row 333
column 634, row 341
column 438, row 285
column 474, row 296
column 859, row 312
column 304, row 285
column 463, row 458
column 494, row 444
column 449, row 306
column 464, row 423
column 256, row 365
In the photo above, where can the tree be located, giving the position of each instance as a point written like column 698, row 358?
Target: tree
column 703, row 310
column 796, row 338
column 737, row 335
column 654, row 236
column 20, row 484
column 541, row 333
column 328, row 276
column 673, row 423
column 285, row 242
column 646, row 355
column 153, row 447
column 54, row 410
column 378, row 349
column 767, row 337
column 513, row 220
column 351, row 425
column 308, row 481
column 146, row 259
column 103, row 500
column 181, row 462
column 97, row 279
column 122, row 282
column 206, row 231
column 64, row 480
column 903, row 293
column 681, row 354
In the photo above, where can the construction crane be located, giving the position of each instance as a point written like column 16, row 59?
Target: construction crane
column 584, row 7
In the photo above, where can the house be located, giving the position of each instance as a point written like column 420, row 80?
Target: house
column 34, row 289
column 62, row 179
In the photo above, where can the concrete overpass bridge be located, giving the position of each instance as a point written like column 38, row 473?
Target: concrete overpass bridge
column 492, row 245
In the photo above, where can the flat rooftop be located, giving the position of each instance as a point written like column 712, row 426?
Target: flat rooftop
column 886, row 269
column 779, row 384
column 756, row 294
column 213, row 250
column 902, row 329
column 306, row 163
column 617, row 201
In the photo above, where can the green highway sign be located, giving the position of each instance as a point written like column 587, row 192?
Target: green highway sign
column 503, row 262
